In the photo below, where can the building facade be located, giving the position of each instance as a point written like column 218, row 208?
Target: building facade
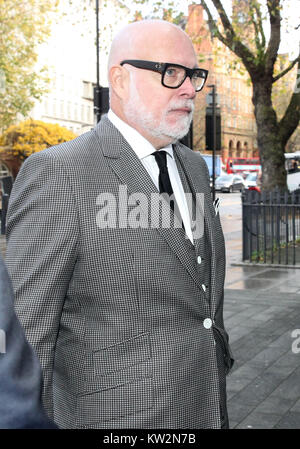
column 238, row 127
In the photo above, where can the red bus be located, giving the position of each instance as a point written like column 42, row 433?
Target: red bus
column 242, row 164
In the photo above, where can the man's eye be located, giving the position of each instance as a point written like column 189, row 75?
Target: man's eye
column 171, row 72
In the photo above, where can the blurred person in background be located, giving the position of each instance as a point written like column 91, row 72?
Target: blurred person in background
column 20, row 372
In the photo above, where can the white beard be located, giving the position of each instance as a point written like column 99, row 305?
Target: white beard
column 138, row 114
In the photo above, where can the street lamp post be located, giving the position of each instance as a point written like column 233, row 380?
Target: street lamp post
column 97, row 98
column 214, row 138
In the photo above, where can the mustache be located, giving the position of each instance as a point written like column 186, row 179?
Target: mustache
column 189, row 104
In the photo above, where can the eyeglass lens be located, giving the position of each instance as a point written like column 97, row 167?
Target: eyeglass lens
column 174, row 76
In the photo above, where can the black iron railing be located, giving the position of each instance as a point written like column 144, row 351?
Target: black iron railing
column 271, row 227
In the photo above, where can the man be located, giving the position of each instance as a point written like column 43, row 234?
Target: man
column 125, row 315
column 20, row 372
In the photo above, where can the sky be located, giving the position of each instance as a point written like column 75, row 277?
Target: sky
column 291, row 15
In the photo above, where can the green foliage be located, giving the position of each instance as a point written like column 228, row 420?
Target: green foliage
column 271, row 255
column 169, row 10
column 23, row 25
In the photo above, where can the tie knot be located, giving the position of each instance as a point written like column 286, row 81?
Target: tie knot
column 161, row 159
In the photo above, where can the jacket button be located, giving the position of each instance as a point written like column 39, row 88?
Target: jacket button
column 199, row 260
column 207, row 323
column 204, row 287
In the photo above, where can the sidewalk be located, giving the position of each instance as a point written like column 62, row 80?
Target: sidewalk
column 261, row 310
column 264, row 387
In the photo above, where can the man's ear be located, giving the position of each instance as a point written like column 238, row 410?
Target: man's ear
column 119, row 81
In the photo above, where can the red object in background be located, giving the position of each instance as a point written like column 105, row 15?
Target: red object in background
column 254, row 188
column 242, row 164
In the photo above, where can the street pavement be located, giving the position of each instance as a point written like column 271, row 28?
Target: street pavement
column 262, row 317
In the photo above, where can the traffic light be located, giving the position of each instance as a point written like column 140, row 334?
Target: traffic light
column 209, row 129
column 101, row 101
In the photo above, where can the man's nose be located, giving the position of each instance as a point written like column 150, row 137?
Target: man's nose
column 187, row 88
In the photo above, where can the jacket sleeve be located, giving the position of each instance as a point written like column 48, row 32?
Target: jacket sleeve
column 42, row 240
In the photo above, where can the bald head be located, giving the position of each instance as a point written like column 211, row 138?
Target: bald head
column 145, row 39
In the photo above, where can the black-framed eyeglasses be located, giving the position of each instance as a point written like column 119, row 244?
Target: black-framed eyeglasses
column 172, row 75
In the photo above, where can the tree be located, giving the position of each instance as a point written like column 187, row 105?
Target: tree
column 31, row 136
column 23, row 25
column 244, row 35
column 281, row 94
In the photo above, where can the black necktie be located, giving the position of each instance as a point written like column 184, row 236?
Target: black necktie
column 164, row 179
column 164, row 182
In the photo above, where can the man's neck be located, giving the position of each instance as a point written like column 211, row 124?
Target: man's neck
column 156, row 142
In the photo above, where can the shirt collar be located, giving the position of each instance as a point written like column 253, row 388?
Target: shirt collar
column 141, row 146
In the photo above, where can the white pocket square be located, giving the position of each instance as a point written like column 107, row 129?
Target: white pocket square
column 217, row 205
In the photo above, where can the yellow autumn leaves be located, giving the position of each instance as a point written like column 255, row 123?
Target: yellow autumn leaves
column 32, row 136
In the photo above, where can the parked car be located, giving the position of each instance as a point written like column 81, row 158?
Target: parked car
column 230, row 183
column 251, row 180
column 293, row 181
column 216, row 177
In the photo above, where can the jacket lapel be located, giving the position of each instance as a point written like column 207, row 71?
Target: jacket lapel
column 198, row 183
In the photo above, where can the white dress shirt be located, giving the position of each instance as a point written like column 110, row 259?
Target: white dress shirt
column 143, row 149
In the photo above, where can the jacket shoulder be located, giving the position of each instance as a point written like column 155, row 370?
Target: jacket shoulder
column 195, row 158
column 78, row 148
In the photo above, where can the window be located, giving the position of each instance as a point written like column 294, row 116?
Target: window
column 46, row 103
column 76, row 111
column 62, row 109
column 87, row 92
column 55, row 107
column 90, row 117
column 4, row 171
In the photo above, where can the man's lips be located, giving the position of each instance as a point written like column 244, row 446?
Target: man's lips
column 184, row 110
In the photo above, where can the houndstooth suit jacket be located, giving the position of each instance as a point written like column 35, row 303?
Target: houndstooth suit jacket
column 116, row 315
